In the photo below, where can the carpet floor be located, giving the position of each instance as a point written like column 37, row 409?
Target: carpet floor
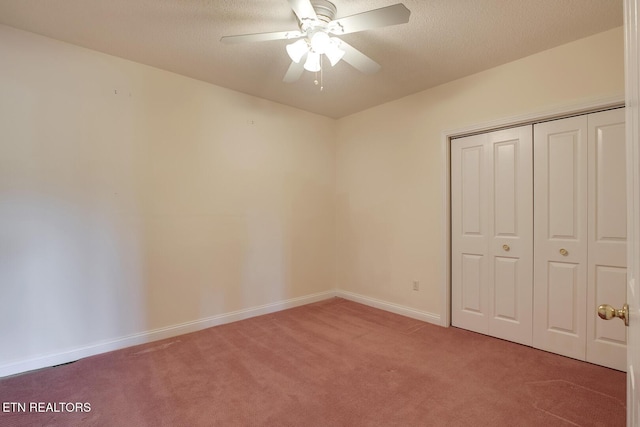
column 332, row 363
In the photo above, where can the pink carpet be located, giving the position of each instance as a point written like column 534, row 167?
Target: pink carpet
column 333, row 363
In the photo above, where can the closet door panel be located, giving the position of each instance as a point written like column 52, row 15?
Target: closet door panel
column 506, row 289
column 470, row 165
column 473, row 207
column 560, row 240
column 562, row 288
column 606, row 340
column 472, row 292
column 563, row 185
column 491, row 193
column 505, row 167
column 510, row 289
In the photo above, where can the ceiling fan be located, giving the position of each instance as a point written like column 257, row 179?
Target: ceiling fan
column 316, row 36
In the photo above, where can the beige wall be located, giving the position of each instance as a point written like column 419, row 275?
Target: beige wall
column 133, row 199
column 389, row 162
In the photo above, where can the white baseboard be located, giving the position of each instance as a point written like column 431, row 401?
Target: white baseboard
column 157, row 334
column 389, row 306
column 208, row 322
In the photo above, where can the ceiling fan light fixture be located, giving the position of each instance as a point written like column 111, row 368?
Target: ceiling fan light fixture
column 297, row 50
column 317, row 24
column 313, row 62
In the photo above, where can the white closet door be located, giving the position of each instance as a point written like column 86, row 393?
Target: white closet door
column 606, row 340
column 560, row 240
column 470, row 208
column 492, row 255
column 511, row 243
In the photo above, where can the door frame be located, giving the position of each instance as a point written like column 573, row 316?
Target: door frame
column 632, row 93
column 448, row 135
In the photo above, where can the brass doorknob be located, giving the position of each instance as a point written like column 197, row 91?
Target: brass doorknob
column 606, row 312
column 506, row 248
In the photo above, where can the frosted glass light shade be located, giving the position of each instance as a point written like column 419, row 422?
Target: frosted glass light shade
column 313, row 62
column 334, row 53
column 297, row 50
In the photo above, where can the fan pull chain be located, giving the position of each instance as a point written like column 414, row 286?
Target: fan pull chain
column 321, row 82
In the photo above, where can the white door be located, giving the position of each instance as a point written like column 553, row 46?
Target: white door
column 632, row 71
column 580, row 236
column 633, row 251
column 470, row 164
column 607, row 241
column 560, row 240
column 492, row 237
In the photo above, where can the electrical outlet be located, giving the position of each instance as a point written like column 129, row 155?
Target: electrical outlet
column 416, row 285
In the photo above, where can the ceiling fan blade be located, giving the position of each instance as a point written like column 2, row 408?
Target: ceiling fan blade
column 294, row 72
column 261, row 37
column 303, row 9
column 357, row 59
column 383, row 17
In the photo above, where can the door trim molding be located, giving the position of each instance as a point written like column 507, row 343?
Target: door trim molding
column 632, row 88
column 448, row 134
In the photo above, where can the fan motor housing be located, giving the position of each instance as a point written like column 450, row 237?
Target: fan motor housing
column 325, row 13
column 325, row 10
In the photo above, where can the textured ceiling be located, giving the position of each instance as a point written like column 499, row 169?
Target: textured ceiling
column 443, row 40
